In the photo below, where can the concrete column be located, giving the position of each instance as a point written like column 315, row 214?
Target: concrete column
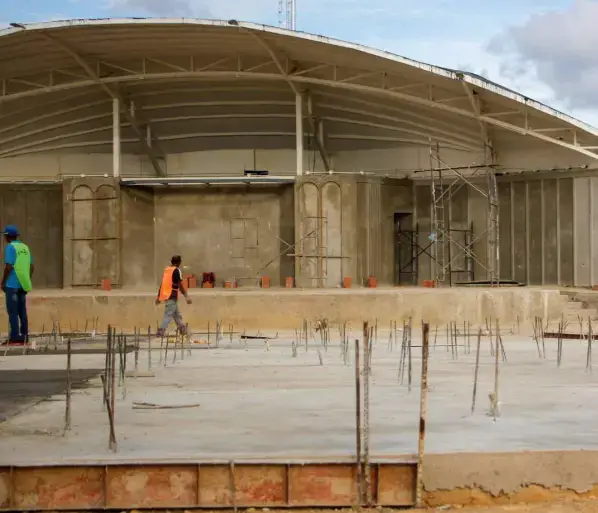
column 116, row 138
column 299, row 132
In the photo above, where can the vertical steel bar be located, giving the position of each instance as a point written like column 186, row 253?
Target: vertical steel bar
column 149, row 348
column 67, row 413
column 113, row 375
column 299, row 134
column 422, row 418
column 477, row 366
column 107, row 365
column 496, row 374
column 124, row 367
column 358, row 469
column 116, row 149
column 136, row 349
column 366, row 413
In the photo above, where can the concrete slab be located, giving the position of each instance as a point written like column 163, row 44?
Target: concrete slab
column 256, row 403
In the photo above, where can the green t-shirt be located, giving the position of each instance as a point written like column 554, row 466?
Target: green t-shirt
column 18, row 255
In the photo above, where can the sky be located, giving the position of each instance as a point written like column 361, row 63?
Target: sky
column 545, row 49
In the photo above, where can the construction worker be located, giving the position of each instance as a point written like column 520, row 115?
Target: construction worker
column 170, row 288
column 16, row 283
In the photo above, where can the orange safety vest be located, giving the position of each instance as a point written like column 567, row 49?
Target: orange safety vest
column 166, row 285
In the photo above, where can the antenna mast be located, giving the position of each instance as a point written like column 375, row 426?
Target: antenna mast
column 287, row 14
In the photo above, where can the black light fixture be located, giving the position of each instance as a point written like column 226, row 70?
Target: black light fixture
column 233, row 22
column 17, row 25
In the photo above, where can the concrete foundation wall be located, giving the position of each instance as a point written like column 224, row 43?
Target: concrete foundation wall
column 286, row 309
column 37, row 211
column 233, row 232
column 507, row 478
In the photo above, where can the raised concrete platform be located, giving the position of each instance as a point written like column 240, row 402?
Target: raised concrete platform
column 288, row 423
column 282, row 309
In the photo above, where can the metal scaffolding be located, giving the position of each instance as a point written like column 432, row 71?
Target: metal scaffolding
column 445, row 182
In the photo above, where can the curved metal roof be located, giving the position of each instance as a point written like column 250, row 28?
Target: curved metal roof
column 201, row 84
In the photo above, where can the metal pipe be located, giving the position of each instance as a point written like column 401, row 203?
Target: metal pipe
column 112, row 410
column 116, row 138
column 299, row 133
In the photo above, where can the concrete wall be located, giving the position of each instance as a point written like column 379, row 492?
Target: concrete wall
column 92, row 231
column 37, row 212
column 202, row 163
column 549, row 230
column 324, row 230
column 55, row 166
column 234, row 162
column 401, row 159
column 233, row 232
column 138, row 263
column 547, row 219
column 345, row 228
column 377, row 202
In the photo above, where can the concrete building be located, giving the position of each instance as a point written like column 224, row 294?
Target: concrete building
column 255, row 151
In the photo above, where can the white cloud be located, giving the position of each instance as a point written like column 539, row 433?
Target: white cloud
column 558, row 49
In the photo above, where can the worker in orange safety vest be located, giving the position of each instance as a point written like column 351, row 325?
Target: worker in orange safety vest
column 168, row 293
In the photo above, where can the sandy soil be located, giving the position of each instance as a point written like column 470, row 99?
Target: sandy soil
column 556, row 507
column 559, row 507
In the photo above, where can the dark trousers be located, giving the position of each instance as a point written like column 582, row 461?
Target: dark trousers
column 16, row 307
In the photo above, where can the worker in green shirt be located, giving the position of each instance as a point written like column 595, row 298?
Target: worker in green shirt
column 16, row 282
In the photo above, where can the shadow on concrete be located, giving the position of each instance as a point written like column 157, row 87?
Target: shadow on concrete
column 21, row 389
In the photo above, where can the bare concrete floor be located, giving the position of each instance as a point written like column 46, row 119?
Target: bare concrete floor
column 258, row 403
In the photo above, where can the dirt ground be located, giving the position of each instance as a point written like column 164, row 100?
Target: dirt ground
column 558, row 507
column 554, row 507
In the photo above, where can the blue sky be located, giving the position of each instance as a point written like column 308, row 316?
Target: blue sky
column 545, row 49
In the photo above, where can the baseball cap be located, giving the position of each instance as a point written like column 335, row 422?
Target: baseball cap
column 11, row 230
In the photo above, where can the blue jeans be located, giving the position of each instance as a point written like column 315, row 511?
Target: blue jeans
column 171, row 312
column 16, row 307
